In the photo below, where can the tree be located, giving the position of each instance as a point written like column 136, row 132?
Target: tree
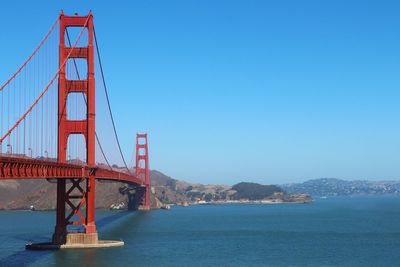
column 189, row 188
column 208, row 197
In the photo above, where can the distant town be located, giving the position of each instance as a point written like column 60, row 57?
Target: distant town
column 337, row 187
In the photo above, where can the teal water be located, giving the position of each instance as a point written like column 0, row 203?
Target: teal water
column 359, row 231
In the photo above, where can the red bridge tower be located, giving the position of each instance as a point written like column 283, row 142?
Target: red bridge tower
column 78, row 195
column 142, row 167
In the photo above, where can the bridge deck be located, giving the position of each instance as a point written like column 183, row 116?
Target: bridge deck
column 27, row 168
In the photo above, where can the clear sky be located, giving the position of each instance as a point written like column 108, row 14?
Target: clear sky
column 264, row 91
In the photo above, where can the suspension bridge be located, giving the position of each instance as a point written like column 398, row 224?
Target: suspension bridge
column 48, row 130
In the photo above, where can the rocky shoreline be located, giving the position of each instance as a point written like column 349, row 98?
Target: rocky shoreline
column 289, row 199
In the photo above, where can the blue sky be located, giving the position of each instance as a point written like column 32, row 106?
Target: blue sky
column 264, row 91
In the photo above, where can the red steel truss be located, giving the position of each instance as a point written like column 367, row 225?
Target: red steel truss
column 27, row 168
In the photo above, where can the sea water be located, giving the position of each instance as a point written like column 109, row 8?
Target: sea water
column 339, row 231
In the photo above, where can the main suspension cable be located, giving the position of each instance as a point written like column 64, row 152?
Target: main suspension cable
column 31, row 56
column 46, row 88
column 108, row 100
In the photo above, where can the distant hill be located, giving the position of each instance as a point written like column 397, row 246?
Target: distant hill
column 338, row 187
column 254, row 191
column 21, row 194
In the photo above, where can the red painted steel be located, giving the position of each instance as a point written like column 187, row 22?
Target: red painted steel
column 27, row 168
column 72, row 190
column 31, row 56
column 142, row 172
column 67, row 127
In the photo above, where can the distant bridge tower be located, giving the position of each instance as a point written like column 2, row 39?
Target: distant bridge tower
column 142, row 168
column 78, row 195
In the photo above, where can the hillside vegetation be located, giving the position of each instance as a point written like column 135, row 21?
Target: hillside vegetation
column 254, row 191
